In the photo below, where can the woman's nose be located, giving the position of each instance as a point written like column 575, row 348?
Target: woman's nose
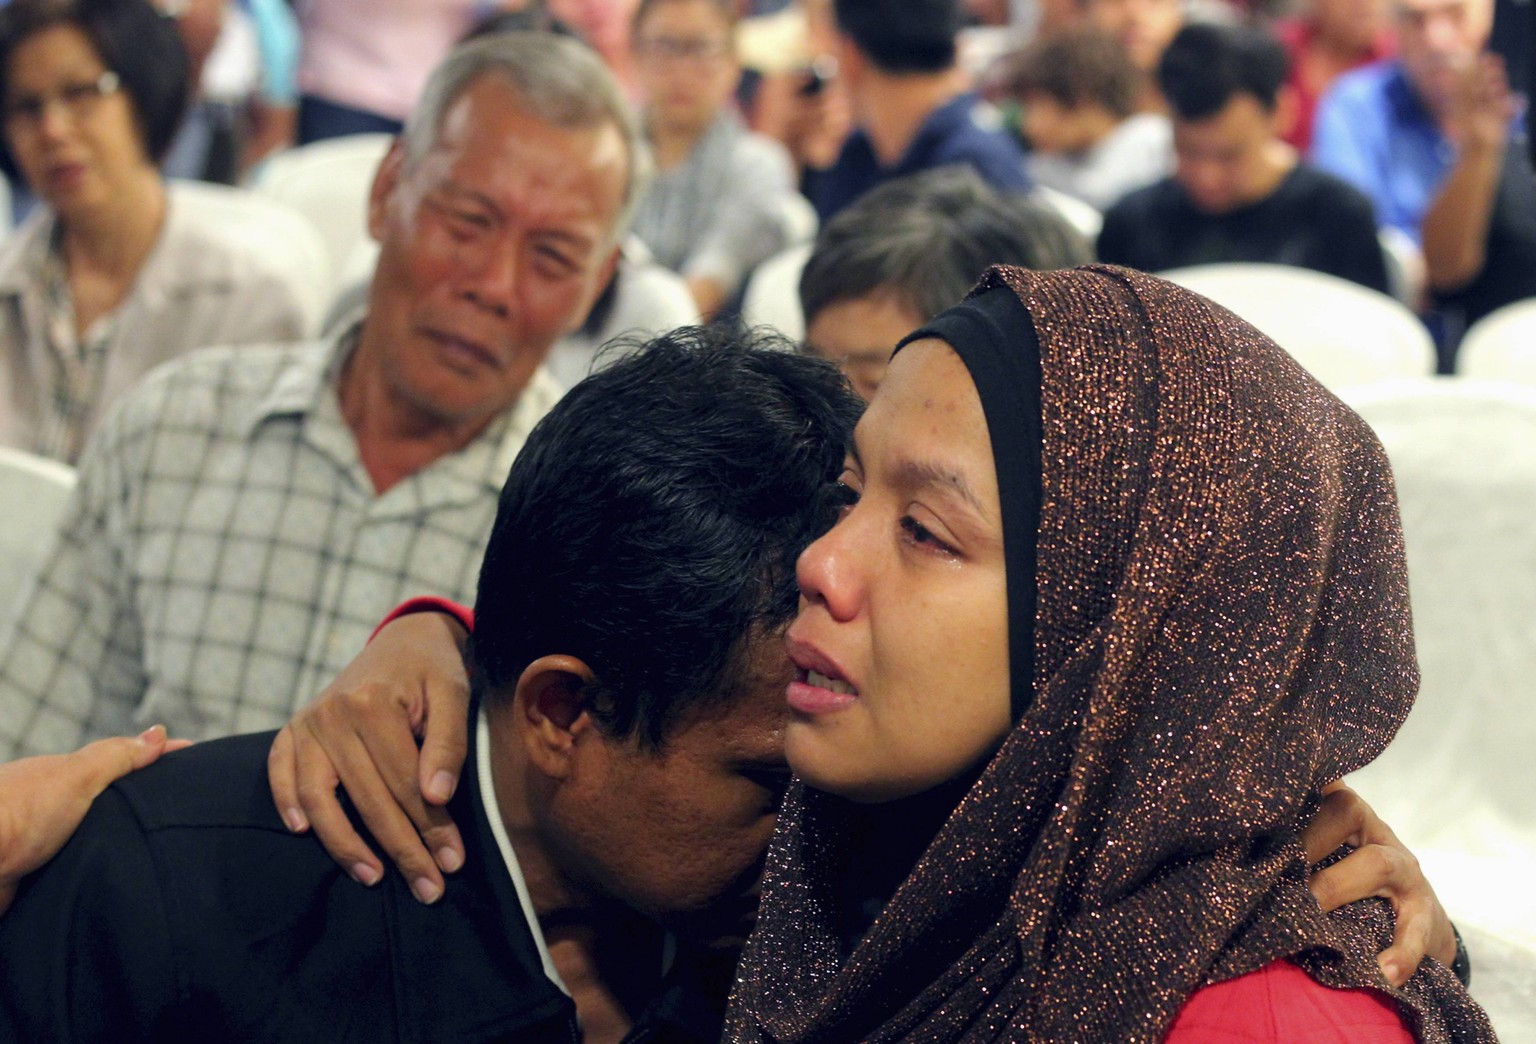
column 828, row 572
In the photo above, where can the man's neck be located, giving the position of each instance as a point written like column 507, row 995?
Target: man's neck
column 395, row 438
column 1278, row 162
column 893, row 109
column 672, row 142
column 608, row 957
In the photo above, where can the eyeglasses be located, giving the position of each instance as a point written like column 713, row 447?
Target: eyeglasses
column 683, row 49
column 79, row 100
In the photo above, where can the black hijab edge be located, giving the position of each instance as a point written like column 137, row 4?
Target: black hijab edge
column 995, row 337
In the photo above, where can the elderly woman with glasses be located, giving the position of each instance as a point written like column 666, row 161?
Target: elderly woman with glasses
column 115, row 271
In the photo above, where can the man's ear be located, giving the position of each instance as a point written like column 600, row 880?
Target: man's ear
column 552, row 705
column 385, row 180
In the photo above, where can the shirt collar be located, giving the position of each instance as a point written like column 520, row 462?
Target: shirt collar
column 471, row 963
column 504, row 845
column 302, row 386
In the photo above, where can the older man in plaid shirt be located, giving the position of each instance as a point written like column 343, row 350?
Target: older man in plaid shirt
column 246, row 515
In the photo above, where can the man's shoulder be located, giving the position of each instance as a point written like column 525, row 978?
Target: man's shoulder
column 970, row 130
column 1314, row 190
column 1152, row 204
column 1363, row 90
column 212, row 389
column 217, row 784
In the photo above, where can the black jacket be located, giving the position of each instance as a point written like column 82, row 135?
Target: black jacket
column 183, row 910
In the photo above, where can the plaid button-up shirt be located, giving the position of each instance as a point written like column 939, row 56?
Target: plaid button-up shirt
column 225, row 553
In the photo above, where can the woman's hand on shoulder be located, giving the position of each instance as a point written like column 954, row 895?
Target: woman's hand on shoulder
column 43, row 799
column 409, row 684
column 1380, row 865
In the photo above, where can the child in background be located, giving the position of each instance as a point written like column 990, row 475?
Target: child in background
column 1077, row 90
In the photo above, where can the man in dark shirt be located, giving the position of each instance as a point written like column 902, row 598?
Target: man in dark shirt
column 625, row 764
column 913, row 109
column 1239, row 192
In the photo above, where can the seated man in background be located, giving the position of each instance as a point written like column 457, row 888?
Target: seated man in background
column 910, row 249
column 1383, row 128
column 247, row 516
column 913, row 108
column 627, row 763
column 1480, row 229
column 1239, row 192
column 719, row 204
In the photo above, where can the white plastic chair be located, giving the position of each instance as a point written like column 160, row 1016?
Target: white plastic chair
column 1345, row 334
column 1456, row 782
column 328, row 181
column 287, row 240
column 34, row 490
column 773, row 293
column 1501, row 346
column 1405, row 264
column 1080, row 215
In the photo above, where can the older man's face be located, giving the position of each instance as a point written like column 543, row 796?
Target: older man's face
column 1438, row 39
column 492, row 246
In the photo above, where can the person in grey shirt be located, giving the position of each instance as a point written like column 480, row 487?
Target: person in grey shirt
column 720, row 201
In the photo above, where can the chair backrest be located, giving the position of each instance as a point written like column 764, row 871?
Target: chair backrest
column 1344, row 334
column 281, row 235
column 33, row 490
column 773, row 293
column 1501, row 346
column 1405, row 264
column 1082, row 216
column 328, row 182
column 1463, row 457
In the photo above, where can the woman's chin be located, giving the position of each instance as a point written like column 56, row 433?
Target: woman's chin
column 843, row 770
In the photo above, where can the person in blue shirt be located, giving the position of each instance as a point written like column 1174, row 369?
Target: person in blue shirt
column 913, row 109
column 1384, row 127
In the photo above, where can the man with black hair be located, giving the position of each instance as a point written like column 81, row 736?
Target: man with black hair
column 912, row 106
column 1238, row 191
column 626, row 762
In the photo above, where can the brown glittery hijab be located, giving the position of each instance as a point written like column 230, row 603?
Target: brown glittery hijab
column 1221, row 627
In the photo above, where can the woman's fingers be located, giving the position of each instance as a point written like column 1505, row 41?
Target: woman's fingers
column 1380, row 865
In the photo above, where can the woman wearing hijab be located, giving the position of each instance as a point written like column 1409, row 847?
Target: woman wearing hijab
column 1119, row 589
column 1222, row 629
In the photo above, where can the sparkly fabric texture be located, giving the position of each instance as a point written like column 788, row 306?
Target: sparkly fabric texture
column 1222, row 628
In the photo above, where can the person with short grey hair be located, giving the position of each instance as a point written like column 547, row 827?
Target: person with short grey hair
column 557, row 78
column 908, row 250
column 246, row 516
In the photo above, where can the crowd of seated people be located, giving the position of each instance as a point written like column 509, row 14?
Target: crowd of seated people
column 256, row 493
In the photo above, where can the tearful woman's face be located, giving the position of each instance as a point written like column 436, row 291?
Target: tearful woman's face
column 901, row 643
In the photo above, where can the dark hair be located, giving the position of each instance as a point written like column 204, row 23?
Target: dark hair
column 903, row 36
column 1076, row 66
column 728, row 9
column 650, row 524
column 1205, row 65
column 928, row 237
column 133, row 40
